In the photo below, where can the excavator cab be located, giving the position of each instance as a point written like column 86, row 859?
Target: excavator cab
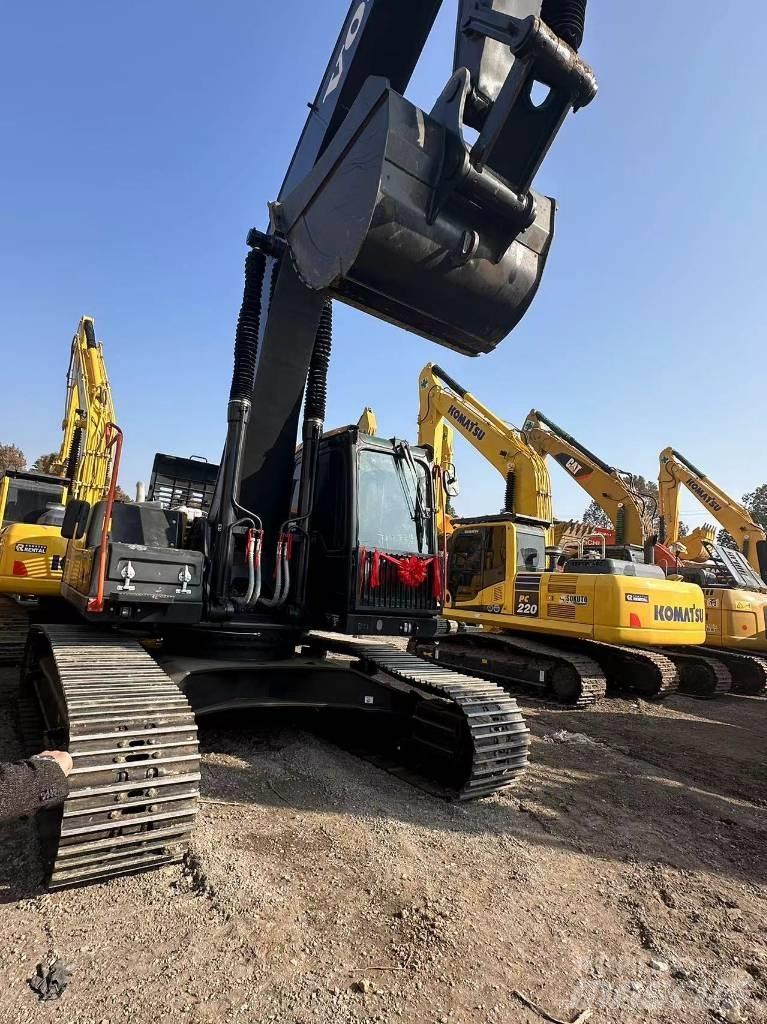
column 373, row 566
column 497, row 577
column 31, row 547
column 403, row 218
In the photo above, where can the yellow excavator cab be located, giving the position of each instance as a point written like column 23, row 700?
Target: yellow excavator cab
column 497, row 578
column 31, row 546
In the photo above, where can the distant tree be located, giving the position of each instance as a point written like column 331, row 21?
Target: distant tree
column 595, row 515
column 45, row 463
column 756, row 503
column 11, row 458
column 450, row 508
column 121, row 495
column 684, row 529
column 724, row 539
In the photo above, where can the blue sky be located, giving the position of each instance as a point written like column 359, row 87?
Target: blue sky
column 143, row 140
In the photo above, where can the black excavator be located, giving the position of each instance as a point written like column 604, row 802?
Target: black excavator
column 388, row 208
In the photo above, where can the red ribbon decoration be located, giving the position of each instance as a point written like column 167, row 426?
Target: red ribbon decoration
column 411, row 570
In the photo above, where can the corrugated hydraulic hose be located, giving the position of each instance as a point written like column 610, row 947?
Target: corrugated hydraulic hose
column 567, row 18
column 317, row 379
column 508, row 505
column 248, row 324
column 90, row 334
column 74, row 453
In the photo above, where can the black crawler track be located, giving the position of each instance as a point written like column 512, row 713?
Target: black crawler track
column 748, row 671
column 134, row 789
column 700, row 675
column 601, row 667
column 519, row 661
column 14, row 625
column 647, row 673
column 466, row 730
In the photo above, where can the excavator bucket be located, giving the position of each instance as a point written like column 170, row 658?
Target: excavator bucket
column 402, row 219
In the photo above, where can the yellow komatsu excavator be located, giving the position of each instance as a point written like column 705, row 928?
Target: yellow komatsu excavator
column 570, row 634
column 32, row 504
column 675, row 472
column 736, row 598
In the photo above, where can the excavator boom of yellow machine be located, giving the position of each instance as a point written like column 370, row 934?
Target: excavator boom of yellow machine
column 32, row 504
column 676, row 472
column 613, row 490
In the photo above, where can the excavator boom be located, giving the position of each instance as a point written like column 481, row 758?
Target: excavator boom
column 387, row 207
column 32, row 548
column 610, row 487
column 83, row 458
column 675, row 472
column 445, row 405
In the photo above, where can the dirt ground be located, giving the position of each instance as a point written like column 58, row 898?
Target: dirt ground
column 625, row 876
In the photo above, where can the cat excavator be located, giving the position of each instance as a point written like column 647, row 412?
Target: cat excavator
column 602, row 622
column 32, row 548
column 736, row 598
column 390, row 209
column 630, row 512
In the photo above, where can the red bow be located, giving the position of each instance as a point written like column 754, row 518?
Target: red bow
column 412, row 570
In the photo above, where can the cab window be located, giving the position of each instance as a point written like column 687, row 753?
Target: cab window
column 531, row 551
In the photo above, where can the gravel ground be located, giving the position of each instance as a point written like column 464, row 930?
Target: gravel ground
column 626, row 876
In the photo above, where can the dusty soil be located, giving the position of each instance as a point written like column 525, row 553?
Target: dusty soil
column 626, row 875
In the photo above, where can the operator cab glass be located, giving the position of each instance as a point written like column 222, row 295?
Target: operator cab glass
column 53, row 515
column 393, row 500
column 531, row 551
column 29, row 499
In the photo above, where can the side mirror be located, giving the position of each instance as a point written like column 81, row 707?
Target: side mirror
column 451, row 485
column 75, row 519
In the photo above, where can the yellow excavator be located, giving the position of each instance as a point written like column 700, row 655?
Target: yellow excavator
column 736, row 598
column 630, row 511
column 569, row 634
column 675, row 472
column 615, row 491
column 32, row 504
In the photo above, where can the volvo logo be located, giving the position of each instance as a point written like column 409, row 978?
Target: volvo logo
column 348, row 45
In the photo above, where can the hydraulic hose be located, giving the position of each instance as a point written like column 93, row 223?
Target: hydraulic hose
column 508, row 505
column 567, row 18
column 280, row 564
column 226, row 514
column 90, row 334
column 317, row 379
column 74, row 454
column 311, row 437
column 248, row 322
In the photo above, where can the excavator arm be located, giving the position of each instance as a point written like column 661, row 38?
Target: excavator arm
column 388, row 208
column 675, row 472
column 610, row 487
column 445, row 405
column 83, row 458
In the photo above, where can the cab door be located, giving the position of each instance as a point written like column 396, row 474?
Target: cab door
column 477, row 567
column 464, row 577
